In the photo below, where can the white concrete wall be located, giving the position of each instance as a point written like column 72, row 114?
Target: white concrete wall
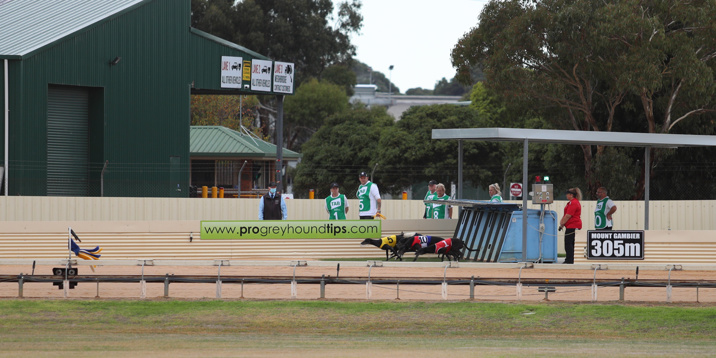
column 664, row 215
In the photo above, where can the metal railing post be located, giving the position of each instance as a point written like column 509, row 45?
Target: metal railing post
column 323, row 286
column 472, row 288
column 166, row 286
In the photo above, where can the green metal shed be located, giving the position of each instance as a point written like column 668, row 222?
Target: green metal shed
column 96, row 94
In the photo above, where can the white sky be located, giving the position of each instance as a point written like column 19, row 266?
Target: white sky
column 415, row 36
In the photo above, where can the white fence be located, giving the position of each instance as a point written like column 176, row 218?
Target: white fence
column 663, row 215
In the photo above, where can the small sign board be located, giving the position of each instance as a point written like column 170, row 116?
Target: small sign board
column 283, row 77
column 615, row 244
column 231, row 69
column 515, row 189
column 261, row 72
column 247, row 71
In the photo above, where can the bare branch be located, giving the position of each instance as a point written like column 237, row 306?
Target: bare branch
column 690, row 113
column 670, row 106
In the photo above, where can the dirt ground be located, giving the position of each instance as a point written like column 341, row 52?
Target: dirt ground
column 362, row 291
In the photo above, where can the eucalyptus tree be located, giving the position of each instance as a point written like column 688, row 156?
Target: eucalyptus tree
column 599, row 62
column 344, row 146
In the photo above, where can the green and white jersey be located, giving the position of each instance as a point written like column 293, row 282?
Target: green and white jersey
column 439, row 211
column 496, row 199
column 428, row 207
column 600, row 213
column 367, row 195
column 336, row 207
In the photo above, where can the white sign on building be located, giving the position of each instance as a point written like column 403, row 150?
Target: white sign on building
column 231, row 71
column 261, row 71
column 283, row 77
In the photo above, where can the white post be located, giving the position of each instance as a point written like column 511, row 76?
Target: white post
column 7, row 128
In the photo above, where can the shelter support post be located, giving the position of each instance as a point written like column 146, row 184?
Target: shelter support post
column 459, row 173
column 647, row 174
column 279, row 143
column 524, row 198
column 7, row 126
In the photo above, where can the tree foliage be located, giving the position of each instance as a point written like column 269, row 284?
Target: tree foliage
column 308, row 108
column 598, row 62
column 342, row 76
column 346, row 145
column 228, row 111
column 450, row 88
column 409, row 154
column 304, row 32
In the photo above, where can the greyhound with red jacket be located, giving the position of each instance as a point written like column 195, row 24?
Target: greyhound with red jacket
column 450, row 248
column 415, row 242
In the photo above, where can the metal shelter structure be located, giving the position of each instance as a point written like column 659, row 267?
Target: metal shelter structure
column 622, row 139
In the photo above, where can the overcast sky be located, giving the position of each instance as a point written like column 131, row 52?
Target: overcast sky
column 415, row 36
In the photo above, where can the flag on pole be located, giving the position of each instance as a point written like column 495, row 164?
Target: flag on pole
column 85, row 254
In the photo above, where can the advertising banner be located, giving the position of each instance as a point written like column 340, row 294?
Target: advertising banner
column 261, row 71
column 290, row 229
column 231, row 70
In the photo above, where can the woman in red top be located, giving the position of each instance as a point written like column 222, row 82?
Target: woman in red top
column 571, row 221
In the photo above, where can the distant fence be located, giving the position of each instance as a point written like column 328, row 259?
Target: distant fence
column 663, row 215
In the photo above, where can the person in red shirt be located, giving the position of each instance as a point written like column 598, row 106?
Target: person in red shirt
column 571, row 221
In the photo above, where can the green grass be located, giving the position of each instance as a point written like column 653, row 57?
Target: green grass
column 91, row 326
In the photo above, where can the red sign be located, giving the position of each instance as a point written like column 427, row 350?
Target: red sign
column 516, row 189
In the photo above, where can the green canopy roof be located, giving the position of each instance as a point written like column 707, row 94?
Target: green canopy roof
column 218, row 141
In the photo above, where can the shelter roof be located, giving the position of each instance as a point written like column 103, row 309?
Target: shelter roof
column 623, row 139
column 218, row 141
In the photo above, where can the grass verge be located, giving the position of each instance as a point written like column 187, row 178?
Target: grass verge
column 49, row 327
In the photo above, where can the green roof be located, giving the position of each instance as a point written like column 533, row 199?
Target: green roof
column 218, row 141
column 27, row 25
column 221, row 41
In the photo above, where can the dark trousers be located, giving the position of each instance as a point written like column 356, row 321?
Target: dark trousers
column 606, row 228
column 569, row 245
column 366, row 217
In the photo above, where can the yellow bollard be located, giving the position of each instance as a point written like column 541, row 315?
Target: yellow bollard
column 213, row 192
column 405, row 195
column 311, row 194
column 204, row 192
column 221, row 193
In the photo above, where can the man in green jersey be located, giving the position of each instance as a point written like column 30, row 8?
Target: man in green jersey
column 430, row 195
column 369, row 198
column 604, row 209
column 336, row 204
column 441, row 211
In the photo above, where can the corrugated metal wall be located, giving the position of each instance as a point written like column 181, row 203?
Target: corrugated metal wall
column 144, row 101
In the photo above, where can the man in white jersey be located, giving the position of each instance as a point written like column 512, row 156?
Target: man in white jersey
column 368, row 196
